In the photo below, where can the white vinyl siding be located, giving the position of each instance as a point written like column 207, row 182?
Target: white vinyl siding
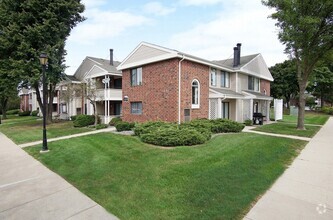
column 213, row 77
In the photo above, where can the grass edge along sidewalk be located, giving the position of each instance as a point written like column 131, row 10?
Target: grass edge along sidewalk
column 133, row 180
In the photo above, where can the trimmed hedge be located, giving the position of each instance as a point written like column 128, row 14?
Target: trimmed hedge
column 84, row 120
column 13, row 112
column 114, row 121
column 34, row 113
column 328, row 110
column 73, row 118
column 173, row 137
column 24, row 113
column 147, row 127
column 124, row 126
column 226, row 126
column 202, row 126
column 101, row 126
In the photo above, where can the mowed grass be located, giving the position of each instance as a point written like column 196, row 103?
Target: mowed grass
column 310, row 118
column 288, row 129
column 28, row 129
column 133, row 180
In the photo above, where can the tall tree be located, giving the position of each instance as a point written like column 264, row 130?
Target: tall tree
column 35, row 26
column 285, row 83
column 306, row 29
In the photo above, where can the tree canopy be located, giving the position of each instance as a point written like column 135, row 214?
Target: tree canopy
column 285, row 83
column 306, row 29
column 30, row 27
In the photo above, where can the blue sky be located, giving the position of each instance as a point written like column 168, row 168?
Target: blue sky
column 205, row 28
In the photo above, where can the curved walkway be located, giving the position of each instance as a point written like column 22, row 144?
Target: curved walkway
column 305, row 189
column 30, row 191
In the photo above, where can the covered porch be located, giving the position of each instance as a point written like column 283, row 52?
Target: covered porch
column 108, row 109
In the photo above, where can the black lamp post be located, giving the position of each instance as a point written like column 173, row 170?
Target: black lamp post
column 43, row 62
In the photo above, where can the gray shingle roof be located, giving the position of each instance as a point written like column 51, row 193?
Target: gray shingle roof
column 228, row 92
column 230, row 62
column 258, row 94
column 105, row 64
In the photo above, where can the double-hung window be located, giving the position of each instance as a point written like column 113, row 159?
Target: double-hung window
column 136, row 76
column 254, row 83
column 225, row 79
column 136, row 108
column 213, row 77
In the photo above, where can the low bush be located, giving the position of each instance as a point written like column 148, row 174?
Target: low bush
column 114, row 121
column 13, row 112
column 226, row 126
column 101, row 126
column 84, row 120
column 73, row 118
column 327, row 110
column 24, row 113
column 124, row 126
column 34, row 113
column 248, row 122
column 147, row 127
column 203, row 126
column 173, row 136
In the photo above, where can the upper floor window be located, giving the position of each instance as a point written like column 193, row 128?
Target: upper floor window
column 195, row 94
column 136, row 76
column 254, row 83
column 225, row 79
column 213, row 77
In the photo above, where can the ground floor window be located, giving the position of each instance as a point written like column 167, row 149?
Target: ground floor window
column 63, row 108
column 136, row 108
column 225, row 110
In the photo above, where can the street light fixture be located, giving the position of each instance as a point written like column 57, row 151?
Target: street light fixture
column 43, row 61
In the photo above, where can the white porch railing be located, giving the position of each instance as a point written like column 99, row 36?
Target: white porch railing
column 109, row 94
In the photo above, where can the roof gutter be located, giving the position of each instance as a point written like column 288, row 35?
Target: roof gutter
column 179, row 86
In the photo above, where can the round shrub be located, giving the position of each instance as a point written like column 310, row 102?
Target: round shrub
column 148, row 127
column 84, row 120
column 248, row 122
column 202, row 126
column 73, row 118
column 24, row 113
column 114, row 121
column 34, row 113
column 124, row 126
column 13, row 112
column 173, row 137
column 101, row 126
column 226, row 126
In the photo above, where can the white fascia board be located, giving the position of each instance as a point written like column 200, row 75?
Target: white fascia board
column 103, row 71
column 147, row 61
column 246, row 72
column 251, row 96
column 205, row 63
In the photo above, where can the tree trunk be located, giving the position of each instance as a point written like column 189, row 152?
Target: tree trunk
column 50, row 104
column 39, row 99
column 301, row 107
column 4, row 103
column 95, row 113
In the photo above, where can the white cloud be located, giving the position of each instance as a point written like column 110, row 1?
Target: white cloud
column 93, row 3
column 246, row 23
column 105, row 24
column 200, row 2
column 156, row 8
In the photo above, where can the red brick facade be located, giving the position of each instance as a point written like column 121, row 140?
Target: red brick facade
column 159, row 91
column 265, row 85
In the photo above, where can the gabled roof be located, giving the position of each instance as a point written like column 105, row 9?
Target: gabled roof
column 254, row 65
column 224, row 93
column 146, row 53
column 90, row 63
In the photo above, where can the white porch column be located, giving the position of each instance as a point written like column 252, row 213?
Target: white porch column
column 219, row 108
column 251, row 109
column 268, row 110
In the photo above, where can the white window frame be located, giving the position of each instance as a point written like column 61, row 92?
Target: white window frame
column 195, row 104
column 138, row 77
column 226, row 77
column 136, row 108
column 213, row 77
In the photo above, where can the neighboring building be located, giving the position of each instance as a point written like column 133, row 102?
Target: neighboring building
column 28, row 100
column 165, row 84
column 106, row 81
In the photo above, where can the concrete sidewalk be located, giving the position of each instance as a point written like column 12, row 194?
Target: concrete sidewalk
column 109, row 129
column 29, row 190
column 305, row 189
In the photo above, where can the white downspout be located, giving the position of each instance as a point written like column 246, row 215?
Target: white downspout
column 179, row 86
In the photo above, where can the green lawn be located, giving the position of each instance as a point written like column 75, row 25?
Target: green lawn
column 289, row 129
column 310, row 118
column 28, row 129
column 133, row 180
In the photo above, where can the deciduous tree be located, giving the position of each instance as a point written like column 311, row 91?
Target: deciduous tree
column 306, row 29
